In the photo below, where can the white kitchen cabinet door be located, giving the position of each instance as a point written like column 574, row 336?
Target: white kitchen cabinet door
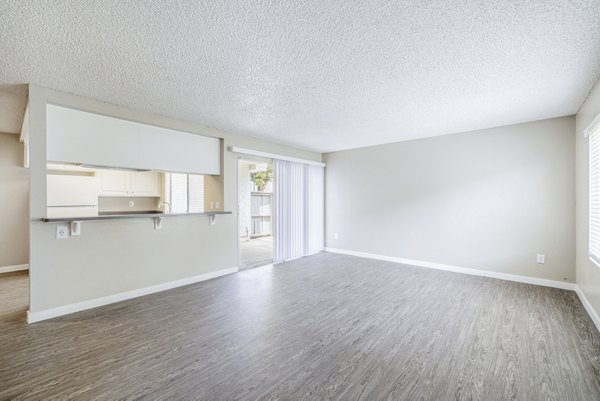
column 114, row 183
column 145, row 183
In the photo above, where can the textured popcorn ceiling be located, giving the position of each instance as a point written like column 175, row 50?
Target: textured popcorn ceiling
column 322, row 75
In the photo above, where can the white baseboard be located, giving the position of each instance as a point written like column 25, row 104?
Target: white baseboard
column 33, row 317
column 588, row 307
column 15, row 268
column 458, row 269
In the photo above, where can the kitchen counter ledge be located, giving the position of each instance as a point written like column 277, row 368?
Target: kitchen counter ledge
column 119, row 216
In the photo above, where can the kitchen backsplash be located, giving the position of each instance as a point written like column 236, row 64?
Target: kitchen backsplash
column 121, row 204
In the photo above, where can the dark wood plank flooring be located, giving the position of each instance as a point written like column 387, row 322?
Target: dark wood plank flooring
column 322, row 327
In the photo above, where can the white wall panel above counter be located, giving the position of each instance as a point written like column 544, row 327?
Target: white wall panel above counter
column 75, row 136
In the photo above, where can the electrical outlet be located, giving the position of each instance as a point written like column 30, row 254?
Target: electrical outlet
column 217, row 204
column 336, row 236
column 541, row 259
column 131, row 203
column 62, row 232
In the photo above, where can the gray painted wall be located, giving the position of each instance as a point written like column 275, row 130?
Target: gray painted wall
column 489, row 199
column 111, row 257
column 14, row 203
column 588, row 273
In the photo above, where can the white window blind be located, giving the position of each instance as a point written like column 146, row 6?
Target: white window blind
column 195, row 193
column 185, row 192
column 299, row 210
column 594, row 217
column 178, row 191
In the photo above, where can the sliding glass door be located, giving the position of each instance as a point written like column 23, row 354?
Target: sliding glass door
column 281, row 207
column 299, row 210
column 255, row 220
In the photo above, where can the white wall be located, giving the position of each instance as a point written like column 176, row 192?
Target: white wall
column 112, row 257
column 488, row 200
column 14, row 203
column 588, row 274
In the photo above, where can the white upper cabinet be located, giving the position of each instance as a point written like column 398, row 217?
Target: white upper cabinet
column 75, row 136
column 145, row 183
column 128, row 183
column 114, row 183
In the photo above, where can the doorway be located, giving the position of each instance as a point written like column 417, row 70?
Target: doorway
column 14, row 234
column 255, row 200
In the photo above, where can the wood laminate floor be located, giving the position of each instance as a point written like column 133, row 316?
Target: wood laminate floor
column 323, row 327
column 14, row 297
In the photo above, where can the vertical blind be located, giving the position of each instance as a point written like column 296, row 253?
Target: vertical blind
column 299, row 210
column 594, row 217
column 185, row 192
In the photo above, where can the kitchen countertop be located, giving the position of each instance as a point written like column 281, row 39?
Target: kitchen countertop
column 130, row 215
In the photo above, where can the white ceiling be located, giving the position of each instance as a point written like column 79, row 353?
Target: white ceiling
column 321, row 75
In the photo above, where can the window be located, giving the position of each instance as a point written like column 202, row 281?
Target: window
column 185, row 192
column 594, row 164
